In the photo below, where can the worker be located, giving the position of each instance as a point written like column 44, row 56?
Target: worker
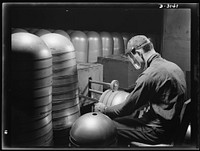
column 159, row 94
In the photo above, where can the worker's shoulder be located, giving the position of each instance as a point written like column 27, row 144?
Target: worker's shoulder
column 163, row 65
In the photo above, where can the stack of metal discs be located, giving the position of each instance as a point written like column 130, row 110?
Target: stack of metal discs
column 31, row 90
column 65, row 98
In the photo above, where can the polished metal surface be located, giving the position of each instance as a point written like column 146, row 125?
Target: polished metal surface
column 65, row 100
column 118, row 43
column 111, row 98
column 80, row 42
column 107, row 43
column 95, row 46
column 31, row 90
column 93, row 129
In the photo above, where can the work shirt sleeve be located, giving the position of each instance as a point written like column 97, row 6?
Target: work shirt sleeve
column 141, row 94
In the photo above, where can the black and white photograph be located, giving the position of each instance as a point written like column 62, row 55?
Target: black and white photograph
column 96, row 75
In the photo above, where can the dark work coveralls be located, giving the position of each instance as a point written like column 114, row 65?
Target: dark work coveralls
column 161, row 88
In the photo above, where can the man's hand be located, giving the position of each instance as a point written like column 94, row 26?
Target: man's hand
column 99, row 107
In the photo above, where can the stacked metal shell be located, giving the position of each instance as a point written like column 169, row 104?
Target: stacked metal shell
column 31, row 90
column 65, row 98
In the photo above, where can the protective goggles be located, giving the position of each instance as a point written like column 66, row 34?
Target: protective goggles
column 135, row 58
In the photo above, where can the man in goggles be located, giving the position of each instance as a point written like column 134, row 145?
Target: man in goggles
column 160, row 89
column 137, row 49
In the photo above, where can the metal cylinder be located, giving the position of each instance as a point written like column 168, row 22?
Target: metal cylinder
column 93, row 129
column 31, row 90
column 126, row 38
column 107, row 44
column 111, row 98
column 95, row 46
column 118, row 43
column 65, row 100
column 80, row 42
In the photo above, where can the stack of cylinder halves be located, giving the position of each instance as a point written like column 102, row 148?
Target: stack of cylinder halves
column 44, row 89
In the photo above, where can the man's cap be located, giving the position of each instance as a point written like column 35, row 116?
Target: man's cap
column 136, row 42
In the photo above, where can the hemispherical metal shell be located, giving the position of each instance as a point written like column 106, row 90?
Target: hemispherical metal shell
column 103, row 96
column 65, row 99
column 65, row 111
column 64, row 104
column 27, row 113
column 45, row 140
column 64, row 118
column 35, row 102
column 35, row 74
column 32, row 136
column 119, row 98
column 30, row 83
column 64, row 56
column 33, row 93
column 65, row 79
column 64, row 87
column 112, row 98
column 106, row 99
column 64, row 64
column 35, row 124
column 66, row 94
column 95, row 129
column 65, row 71
column 57, row 43
column 27, row 65
column 60, row 123
column 41, row 111
column 26, row 46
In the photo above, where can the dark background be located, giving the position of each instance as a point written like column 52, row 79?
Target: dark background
column 111, row 18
